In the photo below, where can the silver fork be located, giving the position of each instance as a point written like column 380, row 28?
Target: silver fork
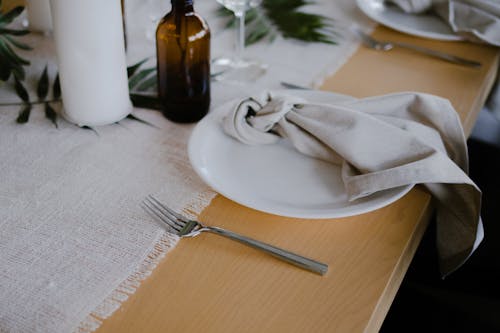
column 184, row 227
column 386, row 46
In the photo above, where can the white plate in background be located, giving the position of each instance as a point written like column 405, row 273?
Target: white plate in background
column 425, row 25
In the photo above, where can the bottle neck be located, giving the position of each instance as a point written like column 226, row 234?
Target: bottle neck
column 182, row 5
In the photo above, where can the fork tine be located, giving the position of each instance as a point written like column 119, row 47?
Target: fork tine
column 178, row 219
column 161, row 209
column 177, row 216
column 153, row 211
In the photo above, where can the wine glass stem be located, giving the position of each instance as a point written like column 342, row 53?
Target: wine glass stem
column 240, row 36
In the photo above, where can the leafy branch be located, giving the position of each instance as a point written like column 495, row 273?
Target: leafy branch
column 10, row 62
column 140, row 80
column 42, row 92
column 284, row 17
column 12, row 65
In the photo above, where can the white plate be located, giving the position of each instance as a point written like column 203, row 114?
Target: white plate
column 275, row 178
column 422, row 25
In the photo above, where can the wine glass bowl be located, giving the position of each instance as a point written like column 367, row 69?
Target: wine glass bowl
column 239, row 6
column 237, row 68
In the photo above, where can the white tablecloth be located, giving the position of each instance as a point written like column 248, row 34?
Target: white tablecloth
column 74, row 242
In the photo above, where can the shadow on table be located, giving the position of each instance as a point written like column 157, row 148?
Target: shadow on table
column 469, row 299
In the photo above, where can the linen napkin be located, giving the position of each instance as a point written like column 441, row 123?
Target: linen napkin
column 477, row 20
column 380, row 142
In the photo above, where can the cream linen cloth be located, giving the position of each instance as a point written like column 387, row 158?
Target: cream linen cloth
column 381, row 143
column 477, row 20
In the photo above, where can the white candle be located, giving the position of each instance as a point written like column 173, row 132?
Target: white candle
column 39, row 17
column 91, row 56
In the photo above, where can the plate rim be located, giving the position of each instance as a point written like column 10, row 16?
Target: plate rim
column 363, row 5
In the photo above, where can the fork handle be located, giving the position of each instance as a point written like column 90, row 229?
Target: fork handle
column 440, row 55
column 291, row 258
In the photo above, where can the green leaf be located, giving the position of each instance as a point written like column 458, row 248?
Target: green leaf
column 21, row 91
column 147, row 84
column 146, row 101
column 19, row 72
column 132, row 117
column 139, row 77
column 132, row 69
column 17, row 44
column 11, row 15
column 260, row 31
column 13, row 32
column 9, row 53
column 43, row 85
column 56, row 88
column 10, row 62
column 283, row 17
column 5, row 68
column 85, row 127
column 24, row 115
column 51, row 114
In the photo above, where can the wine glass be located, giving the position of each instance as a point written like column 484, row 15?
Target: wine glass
column 237, row 68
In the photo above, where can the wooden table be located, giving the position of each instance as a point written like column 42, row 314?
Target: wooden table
column 210, row 284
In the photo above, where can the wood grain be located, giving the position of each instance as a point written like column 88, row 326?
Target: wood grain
column 370, row 72
column 209, row 284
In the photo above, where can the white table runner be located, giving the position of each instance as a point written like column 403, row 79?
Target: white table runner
column 74, row 242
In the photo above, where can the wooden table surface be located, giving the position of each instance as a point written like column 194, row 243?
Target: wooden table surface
column 210, row 284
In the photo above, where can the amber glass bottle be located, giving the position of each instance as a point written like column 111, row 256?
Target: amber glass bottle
column 183, row 51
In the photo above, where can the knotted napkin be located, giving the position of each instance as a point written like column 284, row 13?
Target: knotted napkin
column 473, row 19
column 381, row 143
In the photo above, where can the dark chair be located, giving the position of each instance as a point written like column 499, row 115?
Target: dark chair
column 469, row 299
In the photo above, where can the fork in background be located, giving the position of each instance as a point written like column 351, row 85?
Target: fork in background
column 184, row 227
column 373, row 43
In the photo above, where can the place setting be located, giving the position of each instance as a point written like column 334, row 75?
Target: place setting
column 220, row 105
column 425, row 24
column 441, row 20
column 276, row 178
